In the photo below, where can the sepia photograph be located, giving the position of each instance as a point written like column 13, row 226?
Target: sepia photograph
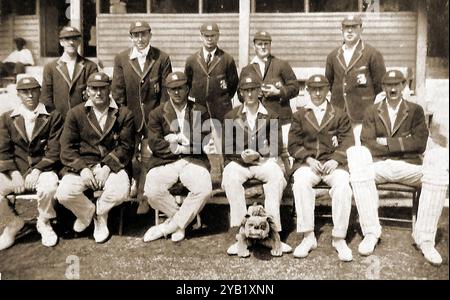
column 216, row 140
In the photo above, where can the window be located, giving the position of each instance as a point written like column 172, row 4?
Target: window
column 333, row 5
column 221, row 6
column 123, row 6
column 135, row 6
column 20, row 8
column 174, row 6
column 397, row 5
column 279, row 6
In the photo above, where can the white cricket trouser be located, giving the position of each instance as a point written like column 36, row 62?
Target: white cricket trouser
column 70, row 194
column 434, row 178
column 194, row 177
column 270, row 173
column 341, row 199
column 46, row 186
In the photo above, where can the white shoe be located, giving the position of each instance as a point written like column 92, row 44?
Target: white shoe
column 233, row 249
column 303, row 249
column 344, row 252
column 367, row 246
column 9, row 233
column 80, row 225
column 101, row 231
column 285, row 248
column 178, row 235
column 430, row 253
column 155, row 232
column 49, row 237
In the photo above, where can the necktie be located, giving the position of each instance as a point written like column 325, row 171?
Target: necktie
column 208, row 59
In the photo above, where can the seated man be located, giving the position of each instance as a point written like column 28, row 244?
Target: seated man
column 395, row 132
column 17, row 60
column 319, row 136
column 175, row 137
column 97, row 143
column 252, row 144
column 29, row 160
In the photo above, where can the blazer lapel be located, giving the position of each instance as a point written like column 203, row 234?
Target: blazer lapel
column 241, row 120
column 93, row 121
column 267, row 66
column 62, row 69
column 110, row 120
column 257, row 70
column 401, row 117
column 79, row 66
column 135, row 64
column 311, row 119
column 216, row 59
column 384, row 116
column 41, row 121
column 356, row 55
column 328, row 117
column 341, row 59
column 19, row 123
column 171, row 117
column 202, row 62
column 149, row 62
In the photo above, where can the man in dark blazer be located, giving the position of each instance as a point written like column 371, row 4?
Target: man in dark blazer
column 137, row 83
column 29, row 160
column 319, row 136
column 394, row 135
column 354, row 71
column 279, row 83
column 97, row 144
column 177, row 132
column 212, row 74
column 64, row 79
column 252, row 146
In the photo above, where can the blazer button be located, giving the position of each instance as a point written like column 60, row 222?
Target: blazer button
column 142, row 81
column 345, row 94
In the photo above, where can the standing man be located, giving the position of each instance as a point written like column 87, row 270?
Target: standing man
column 319, row 136
column 395, row 134
column 137, row 83
column 252, row 145
column 29, row 160
column 354, row 71
column 175, row 135
column 212, row 74
column 97, row 144
column 64, row 79
column 279, row 83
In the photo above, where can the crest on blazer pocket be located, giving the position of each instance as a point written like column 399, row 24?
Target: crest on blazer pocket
column 223, row 84
column 156, row 87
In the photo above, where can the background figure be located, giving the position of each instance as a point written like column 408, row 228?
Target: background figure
column 354, row 71
column 17, row 60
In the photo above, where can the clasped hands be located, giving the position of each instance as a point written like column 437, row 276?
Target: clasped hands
column 270, row 90
column 250, row 156
column 95, row 179
column 322, row 169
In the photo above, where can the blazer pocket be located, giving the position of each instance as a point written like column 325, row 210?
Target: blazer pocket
column 154, row 84
column 222, row 82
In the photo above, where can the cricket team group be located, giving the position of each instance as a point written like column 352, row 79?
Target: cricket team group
column 149, row 128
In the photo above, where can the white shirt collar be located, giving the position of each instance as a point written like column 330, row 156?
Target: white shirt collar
column 261, row 109
column 396, row 108
column 136, row 53
column 321, row 107
column 205, row 52
column 112, row 103
column 347, row 48
column 257, row 60
column 22, row 110
column 66, row 58
column 178, row 111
